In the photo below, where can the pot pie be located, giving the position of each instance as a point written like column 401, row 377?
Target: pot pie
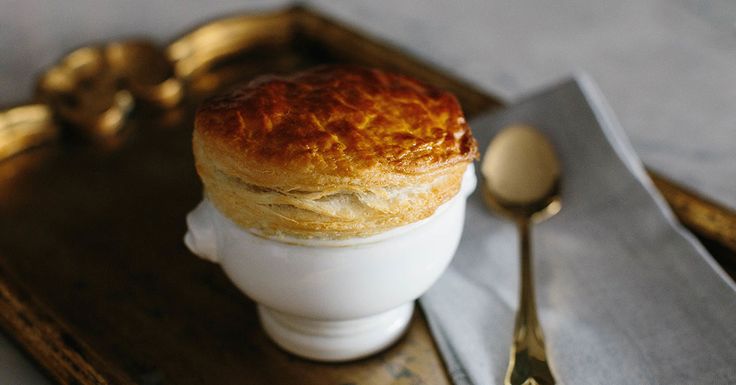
column 332, row 152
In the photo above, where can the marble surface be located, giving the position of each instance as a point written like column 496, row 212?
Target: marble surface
column 668, row 67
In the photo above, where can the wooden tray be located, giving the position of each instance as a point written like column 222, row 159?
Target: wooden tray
column 95, row 282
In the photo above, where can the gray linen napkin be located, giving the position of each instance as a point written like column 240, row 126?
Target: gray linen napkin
column 625, row 294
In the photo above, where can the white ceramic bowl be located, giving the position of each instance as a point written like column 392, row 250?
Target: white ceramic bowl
column 333, row 300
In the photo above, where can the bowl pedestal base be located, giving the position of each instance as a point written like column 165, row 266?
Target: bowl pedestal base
column 335, row 340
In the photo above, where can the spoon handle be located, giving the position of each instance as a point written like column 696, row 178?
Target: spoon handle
column 528, row 360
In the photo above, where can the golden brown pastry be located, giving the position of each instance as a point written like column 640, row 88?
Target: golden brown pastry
column 331, row 152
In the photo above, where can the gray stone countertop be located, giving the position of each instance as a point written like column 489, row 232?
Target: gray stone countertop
column 668, row 67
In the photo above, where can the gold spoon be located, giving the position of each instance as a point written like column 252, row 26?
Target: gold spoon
column 522, row 178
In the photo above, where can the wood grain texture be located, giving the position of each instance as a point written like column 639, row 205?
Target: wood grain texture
column 45, row 337
column 95, row 282
column 694, row 211
column 712, row 223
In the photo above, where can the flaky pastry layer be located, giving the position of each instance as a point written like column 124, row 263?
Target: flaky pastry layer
column 331, row 213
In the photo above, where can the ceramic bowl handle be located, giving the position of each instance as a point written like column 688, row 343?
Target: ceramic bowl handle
column 200, row 238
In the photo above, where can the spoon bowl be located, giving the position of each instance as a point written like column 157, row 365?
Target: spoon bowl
column 522, row 174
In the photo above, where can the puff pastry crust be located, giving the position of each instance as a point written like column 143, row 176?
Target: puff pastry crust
column 331, row 152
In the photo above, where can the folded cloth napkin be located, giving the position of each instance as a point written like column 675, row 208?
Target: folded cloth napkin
column 625, row 295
